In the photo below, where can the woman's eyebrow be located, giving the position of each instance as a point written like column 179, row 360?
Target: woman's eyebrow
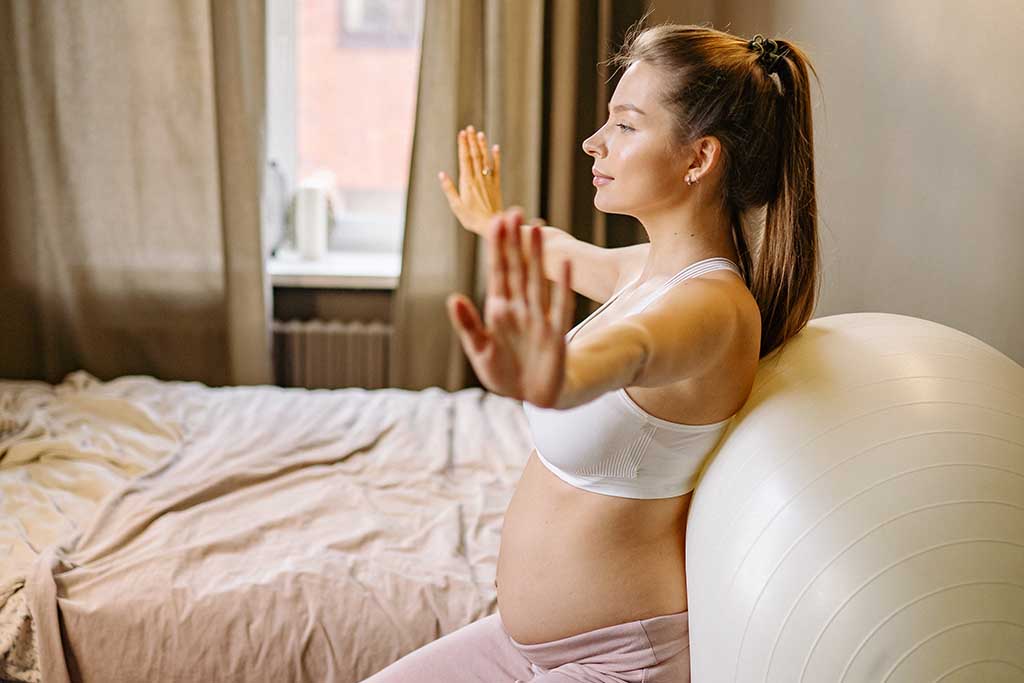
column 631, row 107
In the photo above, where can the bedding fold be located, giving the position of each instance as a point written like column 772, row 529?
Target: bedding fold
column 280, row 534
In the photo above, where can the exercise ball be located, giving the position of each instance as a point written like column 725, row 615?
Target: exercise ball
column 862, row 519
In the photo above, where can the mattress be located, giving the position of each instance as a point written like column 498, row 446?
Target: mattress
column 157, row 530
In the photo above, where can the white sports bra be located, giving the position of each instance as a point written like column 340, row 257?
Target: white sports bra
column 611, row 445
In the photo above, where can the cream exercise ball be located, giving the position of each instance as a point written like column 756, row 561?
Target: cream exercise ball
column 863, row 517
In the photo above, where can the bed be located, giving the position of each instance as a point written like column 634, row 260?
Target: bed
column 154, row 530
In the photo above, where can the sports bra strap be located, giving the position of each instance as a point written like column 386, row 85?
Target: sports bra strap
column 693, row 270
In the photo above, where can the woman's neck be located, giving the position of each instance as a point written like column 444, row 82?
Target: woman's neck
column 681, row 243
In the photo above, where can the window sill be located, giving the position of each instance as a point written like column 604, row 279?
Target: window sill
column 337, row 270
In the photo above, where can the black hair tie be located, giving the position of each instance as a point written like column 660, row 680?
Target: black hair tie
column 768, row 51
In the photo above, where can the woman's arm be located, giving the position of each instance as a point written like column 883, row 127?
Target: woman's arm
column 680, row 335
column 597, row 272
column 476, row 200
column 607, row 360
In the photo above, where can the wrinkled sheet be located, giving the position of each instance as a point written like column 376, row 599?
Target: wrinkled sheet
column 172, row 531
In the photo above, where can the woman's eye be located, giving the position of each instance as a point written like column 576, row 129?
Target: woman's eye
column 623, row 126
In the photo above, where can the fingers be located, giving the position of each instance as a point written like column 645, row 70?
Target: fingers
column 491, row 183
column 466, row 321
column 535, row 276
column 515, row 256
column 451, row 193
column 567, row 296
column 516, row 271
column 475, row 144
column 497, row 280
column 449, row 189
column 474, row 152
column 545, row 291
column 481, row 142
column 465, row 163
column 562, row 305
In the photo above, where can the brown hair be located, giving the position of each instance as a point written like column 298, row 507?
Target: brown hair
column 717, row 84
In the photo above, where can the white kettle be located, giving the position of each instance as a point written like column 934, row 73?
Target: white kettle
column 313, row 203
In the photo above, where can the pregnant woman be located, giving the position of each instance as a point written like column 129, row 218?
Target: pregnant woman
column 625, row 407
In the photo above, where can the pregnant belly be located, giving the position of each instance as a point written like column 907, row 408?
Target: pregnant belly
column 573, row 561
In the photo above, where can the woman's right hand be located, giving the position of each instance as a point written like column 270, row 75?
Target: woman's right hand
column 478, row 199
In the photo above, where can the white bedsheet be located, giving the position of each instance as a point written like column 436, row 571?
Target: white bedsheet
column 378, row 512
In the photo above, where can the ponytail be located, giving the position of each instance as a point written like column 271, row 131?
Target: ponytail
column 785, row 280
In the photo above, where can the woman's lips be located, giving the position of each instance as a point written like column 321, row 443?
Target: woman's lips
column 601, row 180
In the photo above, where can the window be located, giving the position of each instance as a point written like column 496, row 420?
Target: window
column 341, row 87
column 379, row 23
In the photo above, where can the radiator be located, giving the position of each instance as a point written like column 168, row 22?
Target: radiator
column 319, row 354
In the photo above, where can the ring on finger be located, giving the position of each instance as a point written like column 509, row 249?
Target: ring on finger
column 486, row 171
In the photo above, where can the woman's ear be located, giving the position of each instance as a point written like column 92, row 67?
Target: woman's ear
column 704, row 156
column 708, row 150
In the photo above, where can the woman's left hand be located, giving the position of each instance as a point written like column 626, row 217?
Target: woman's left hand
column 520, row 351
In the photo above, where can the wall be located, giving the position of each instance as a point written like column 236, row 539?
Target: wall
column 918, row 152
column 365, row 305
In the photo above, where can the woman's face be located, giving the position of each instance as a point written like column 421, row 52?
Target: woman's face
column 633, row 148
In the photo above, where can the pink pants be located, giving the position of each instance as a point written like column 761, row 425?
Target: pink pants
column 655, row 650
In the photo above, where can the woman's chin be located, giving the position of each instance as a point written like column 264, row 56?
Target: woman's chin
column 602, row 203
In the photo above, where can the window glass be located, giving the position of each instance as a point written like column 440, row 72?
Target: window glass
column 357, row 65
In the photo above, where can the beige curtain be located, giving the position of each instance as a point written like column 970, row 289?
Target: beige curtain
column 526, row 71
column 130, row 180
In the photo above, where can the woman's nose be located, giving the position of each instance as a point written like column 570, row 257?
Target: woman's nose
column 591, row 147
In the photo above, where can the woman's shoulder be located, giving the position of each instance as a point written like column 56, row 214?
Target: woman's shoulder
column 739, row 361
column 739, row 295
column 721, row 388
column 726, row 281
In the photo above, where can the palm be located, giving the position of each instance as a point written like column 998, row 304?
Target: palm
column 527, row 358
column 520, row 349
